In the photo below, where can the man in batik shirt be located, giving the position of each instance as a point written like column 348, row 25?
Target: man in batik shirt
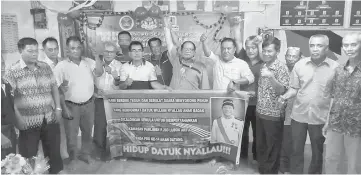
column 344, row 122
column 272, row 83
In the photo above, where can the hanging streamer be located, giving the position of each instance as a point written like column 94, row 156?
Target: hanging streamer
column 87, row 3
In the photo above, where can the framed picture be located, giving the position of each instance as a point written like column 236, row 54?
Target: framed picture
column 39, row 18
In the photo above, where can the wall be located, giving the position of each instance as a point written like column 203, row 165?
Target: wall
column 26, row 26
column 256, row 15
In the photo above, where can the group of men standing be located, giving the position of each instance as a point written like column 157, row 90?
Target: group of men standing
column 54, row 97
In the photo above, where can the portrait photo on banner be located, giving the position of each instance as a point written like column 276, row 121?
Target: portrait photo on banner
column 227, row 120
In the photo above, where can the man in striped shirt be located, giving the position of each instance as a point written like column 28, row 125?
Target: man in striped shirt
column 37, row 104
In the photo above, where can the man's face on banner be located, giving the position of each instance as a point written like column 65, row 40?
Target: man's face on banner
column 228, row 110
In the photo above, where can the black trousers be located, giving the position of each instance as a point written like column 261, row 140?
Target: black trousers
column 299, row 135
column 269, row 139
column 100, row 128
column 250, row 120
column 49, row 134
column 9, row 132
column 286, row 149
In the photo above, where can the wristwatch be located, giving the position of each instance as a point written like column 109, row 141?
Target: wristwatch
column 58, row 109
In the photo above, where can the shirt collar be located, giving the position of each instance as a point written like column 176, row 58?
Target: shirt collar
column 327, row 61
column 69, row 60
column 48, row 60
column 348, row 63
column 131, row 62
column 231, row 61
column 23, row 65
column 274, row 66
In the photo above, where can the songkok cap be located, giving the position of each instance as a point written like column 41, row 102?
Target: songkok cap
column 228, row 102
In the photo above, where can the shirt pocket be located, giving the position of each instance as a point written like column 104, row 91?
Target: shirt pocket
column 231, row 73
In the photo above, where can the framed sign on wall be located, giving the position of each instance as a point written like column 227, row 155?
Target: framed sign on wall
column 316, row 14
column 355, row 19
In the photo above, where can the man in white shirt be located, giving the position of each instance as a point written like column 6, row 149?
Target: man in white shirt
column 76, row 76
column 51, row 50
column 104, row 83
column 227, row 129
column 228, row 71
column 138, row 73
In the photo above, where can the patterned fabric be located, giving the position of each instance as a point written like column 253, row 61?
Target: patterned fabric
column 345, row 115
column 267, row 104
column 32, row 92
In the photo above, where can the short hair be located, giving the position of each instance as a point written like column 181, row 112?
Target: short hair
column 23, row 42
column 154, row 39
column 185, row 42
column 229, row 40
column 108, row 43
column 325, row 37
column 49, row 39
column 124, row 33
column 72, row 38
column 135, row 43
column 296, row 49
column 272, row 40
column 357, row 35
column 250, row 39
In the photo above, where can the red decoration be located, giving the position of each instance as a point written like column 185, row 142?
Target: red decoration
column 155, row 11
column 140, row 13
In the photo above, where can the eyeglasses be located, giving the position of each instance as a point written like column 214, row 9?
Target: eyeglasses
column 109, row 52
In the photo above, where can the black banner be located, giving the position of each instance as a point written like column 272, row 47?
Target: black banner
column 312, row 13
column 355, row 20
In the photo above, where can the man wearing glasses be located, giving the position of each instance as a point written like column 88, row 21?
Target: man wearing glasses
column 103, row 83
column 188, row 74
column 138, row 73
